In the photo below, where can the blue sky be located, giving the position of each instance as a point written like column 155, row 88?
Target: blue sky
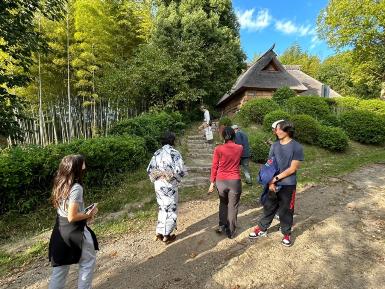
column 282, row 22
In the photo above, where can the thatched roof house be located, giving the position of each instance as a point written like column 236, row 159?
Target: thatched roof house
column 314, row 86
column 264, row 77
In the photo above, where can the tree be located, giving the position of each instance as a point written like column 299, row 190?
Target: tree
column 340, row 72
column 18, row 40
column 336, row 71
column 360, row 25
column 203, row 37
column 294, row 55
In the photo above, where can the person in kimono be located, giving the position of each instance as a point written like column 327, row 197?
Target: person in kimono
column 166, row 170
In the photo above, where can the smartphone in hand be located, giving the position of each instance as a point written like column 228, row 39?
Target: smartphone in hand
column 90, row 208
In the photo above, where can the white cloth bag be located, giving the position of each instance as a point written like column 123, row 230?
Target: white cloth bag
column 209, row 133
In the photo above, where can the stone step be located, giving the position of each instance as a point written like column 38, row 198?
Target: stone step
column 200, row 162
column 196, row 138
column 193, row 141
column 199, row 169
column 196, row 179
column 197, row 153
column 200, row 155
column 199, row 142
column 194, row 184
column 200, row 147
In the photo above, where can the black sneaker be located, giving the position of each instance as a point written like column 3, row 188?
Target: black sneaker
column 229, row 234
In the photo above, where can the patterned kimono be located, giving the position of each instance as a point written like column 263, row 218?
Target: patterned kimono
column 166, row 170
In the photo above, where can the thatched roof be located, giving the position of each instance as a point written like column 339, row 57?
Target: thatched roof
column 314, row 87
column 267, row 73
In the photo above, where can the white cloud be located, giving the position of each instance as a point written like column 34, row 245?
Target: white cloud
column 314, row 41
column 288, row 27
column 247, row 20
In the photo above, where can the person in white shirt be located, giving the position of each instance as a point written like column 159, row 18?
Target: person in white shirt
column 206, row 125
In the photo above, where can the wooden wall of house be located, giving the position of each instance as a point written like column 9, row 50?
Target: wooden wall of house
column 236, row 103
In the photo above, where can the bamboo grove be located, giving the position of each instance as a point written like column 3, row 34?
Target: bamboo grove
column 109, row 60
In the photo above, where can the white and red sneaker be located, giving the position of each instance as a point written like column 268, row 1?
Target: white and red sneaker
column 286, row 241
column 257, row 233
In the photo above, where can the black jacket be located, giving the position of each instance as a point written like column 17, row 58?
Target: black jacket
column 65, row 245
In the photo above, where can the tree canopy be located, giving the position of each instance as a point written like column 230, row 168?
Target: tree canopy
column 358, row 25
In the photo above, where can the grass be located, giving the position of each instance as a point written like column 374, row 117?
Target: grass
column 9, row 261
column 320, row 164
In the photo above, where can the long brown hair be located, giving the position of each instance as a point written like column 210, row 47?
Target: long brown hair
column 70, row 172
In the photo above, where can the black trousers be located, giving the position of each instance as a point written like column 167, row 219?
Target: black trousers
column 229, row 194
column 283, row 202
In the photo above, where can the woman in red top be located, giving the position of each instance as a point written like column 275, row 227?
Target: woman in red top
column 225, row 174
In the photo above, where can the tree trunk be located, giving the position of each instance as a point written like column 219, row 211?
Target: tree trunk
column 41, row 129
column 70, row 133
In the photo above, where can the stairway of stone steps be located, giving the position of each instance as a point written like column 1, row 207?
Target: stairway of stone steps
column 198, row 160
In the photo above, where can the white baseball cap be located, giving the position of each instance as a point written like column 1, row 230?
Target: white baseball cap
column 274, row 125
column 234, row 126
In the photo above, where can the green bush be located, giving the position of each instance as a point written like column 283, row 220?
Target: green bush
column 150, row 126
column 255, row 110
column 364, row 126
column 331, row 120
column 283, row 94
column 273, row 116
column 26, row 173
column 346, row 103
column 373, row 105
column 225, row 121
column 331, row 102
column 259, row 148
column 333, row 139
column 306, row 128
column 314, row 106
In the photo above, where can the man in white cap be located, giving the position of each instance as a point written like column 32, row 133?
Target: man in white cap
column 242, row 139
column 273, row 128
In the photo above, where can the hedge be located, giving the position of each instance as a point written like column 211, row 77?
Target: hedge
column 255, row 110
column 373, row 105
column 259, row 148
column 273, row 116
column 283, row 94
column 314, row 106
column 26, row 173
column 364, row 126
column 332, row 138
column 306, row 128
column 225, row 121
column 150, row 126
column 331, row 120
column 346, row 103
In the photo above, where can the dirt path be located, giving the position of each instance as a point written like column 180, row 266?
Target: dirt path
column 339, row 243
